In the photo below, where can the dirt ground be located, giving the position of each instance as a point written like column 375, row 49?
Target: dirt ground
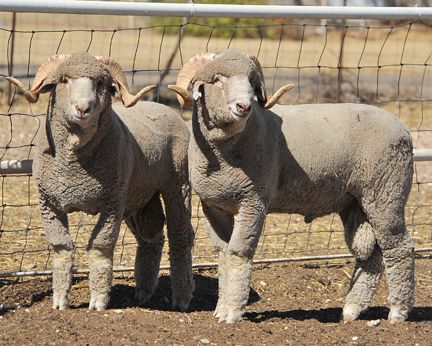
column 290, row 304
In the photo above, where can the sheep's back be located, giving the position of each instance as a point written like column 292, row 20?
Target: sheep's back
column 333, row 151
column 326, row 130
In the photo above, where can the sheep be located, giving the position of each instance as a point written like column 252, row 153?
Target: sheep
column 108, row 159
column 315, row 159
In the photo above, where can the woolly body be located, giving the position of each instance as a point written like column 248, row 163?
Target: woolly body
column 311, row 160
column 115, row 163
column 352, row 159
column 136, row 144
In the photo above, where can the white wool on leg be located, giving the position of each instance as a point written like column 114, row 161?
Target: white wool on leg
column 62, row 277
column 237, row 285
column 100, row 277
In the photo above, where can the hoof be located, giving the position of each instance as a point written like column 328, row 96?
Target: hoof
column 181, row 304
column 228, row 315
column 60, row 302
column 99, row 303
column 398, row 314
column 181, row 297
column 351, row 312
column 142, row 296
column 219, row 310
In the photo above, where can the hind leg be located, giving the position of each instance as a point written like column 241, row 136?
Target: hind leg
column 398, row 254
column 360, row 239
column 220, row 226
column 181, row 238
column 147, row 226
column 364, row 282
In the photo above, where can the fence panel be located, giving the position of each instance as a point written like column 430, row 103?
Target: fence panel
column 385, row 64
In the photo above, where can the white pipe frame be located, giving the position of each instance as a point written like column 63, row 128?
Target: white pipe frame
column 121, row 8
column 25, row 166
column 206, row 265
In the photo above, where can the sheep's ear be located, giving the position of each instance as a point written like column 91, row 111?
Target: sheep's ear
column 261, row 95
column 113, row 89
column 198, row 89
column 46, row 88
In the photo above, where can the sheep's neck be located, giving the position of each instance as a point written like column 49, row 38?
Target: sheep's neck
column 210, row 137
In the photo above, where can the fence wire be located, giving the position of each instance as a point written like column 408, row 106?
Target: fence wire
column 386, row 65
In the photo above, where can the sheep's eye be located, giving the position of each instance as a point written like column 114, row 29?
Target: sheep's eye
column 99, row 83
column 63, row 80
column 218, row 80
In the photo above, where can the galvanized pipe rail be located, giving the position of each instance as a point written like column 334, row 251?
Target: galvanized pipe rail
column 202, row 265
column 25, row 166
column 190, row 10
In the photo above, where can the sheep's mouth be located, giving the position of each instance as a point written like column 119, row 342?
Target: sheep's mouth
column 238, row 115
column 81, row 119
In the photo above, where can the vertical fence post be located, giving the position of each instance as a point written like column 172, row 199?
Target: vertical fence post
column 11, row 58
column 340, row 62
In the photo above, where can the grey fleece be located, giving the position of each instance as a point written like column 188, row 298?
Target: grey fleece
column 117, row 170
column 352, row 159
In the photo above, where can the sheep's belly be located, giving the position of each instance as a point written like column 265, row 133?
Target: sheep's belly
column 311, row 206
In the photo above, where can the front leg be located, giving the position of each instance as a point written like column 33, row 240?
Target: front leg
column 55, row 224
column 220, row 227
column 100, row 258
column 248, row 226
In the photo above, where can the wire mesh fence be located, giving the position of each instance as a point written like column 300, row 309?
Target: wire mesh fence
column 389, row 65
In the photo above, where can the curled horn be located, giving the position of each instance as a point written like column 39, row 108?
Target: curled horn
column 268, row 103
column 186, row 75
column 117, row 74
column 277, row 95
column 40, row 80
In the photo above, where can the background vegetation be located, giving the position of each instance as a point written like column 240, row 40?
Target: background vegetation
column 225, row 27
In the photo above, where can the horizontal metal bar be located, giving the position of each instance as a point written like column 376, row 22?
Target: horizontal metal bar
column 202, row 265
column 16, row 167
column 25, row 166
column 214, row 10
column 423, row 155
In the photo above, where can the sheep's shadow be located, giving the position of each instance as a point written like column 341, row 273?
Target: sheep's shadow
column 204, row 297
column 334, row 315
column 23, row 294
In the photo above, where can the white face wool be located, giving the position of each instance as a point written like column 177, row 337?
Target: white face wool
column 239, row 96
column 82, row 98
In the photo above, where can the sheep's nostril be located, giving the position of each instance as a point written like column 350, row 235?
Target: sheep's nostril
column 244, row 108
column 83, row 109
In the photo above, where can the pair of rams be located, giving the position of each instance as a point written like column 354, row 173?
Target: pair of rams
column 243, row 161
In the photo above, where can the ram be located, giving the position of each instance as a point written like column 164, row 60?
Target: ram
column 246, row 161
column 115, row 161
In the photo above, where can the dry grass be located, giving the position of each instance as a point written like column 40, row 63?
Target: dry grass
column 22, row 243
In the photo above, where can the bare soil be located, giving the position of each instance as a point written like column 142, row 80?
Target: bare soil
column 290, row 304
